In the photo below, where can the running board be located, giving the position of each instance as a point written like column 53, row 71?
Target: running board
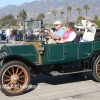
column 56, row 73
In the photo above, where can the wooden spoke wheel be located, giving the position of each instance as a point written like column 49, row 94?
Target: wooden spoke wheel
column 96, row 69
column 15, row 77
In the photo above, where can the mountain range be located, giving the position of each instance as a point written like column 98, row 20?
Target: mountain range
column 43, row 6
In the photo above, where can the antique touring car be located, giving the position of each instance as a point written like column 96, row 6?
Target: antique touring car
column 19, row 62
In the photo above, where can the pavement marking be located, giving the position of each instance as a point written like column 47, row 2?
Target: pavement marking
column 57, row 93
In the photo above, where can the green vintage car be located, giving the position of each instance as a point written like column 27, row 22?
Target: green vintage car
column 20, row 62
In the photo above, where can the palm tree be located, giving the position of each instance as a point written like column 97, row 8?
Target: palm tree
column 62, row 13
column 79, row 10
column 79, row 18
column 86, row 7
column 70, row 9
column 95, row 17
column 54, row 12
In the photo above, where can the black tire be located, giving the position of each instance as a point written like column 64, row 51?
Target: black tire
column 14, row 78
column 96, row 69
column 76, row 74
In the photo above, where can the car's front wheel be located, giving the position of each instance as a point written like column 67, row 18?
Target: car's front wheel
column 14, row 78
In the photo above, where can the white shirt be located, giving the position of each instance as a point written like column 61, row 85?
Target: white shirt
column 0, row 31
column 71, row 37
column 89, row 33
column 89, row 36
column 7, row 32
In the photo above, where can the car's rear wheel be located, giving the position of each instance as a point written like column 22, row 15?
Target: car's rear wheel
column 14, row 78
column 96, row 69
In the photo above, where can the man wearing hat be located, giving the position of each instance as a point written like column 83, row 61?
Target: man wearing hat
column 57, row 34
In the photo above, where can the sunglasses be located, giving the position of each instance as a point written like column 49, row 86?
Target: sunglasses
column 56, row 25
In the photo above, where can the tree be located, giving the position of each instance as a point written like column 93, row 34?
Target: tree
column 97, row 22
column 22, row 15
column 79, row 18
column 95, row 17
column 41, row 16
column 8, row 20
column 31, row 19
column 86, row 7
column 79, row 10
column 62, row 13
column 70, row 9
column 54, row 12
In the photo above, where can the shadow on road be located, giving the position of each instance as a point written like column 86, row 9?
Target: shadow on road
column 56, row 80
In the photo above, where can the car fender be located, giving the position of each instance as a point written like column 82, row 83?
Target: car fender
column 93, row 57
column 33, row 66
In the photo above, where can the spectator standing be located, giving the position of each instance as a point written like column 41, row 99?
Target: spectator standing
column 29, row 33
column 7, row 32
column 0, row 35
column 90, row 31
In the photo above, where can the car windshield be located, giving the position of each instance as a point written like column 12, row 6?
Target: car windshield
column 32, row 25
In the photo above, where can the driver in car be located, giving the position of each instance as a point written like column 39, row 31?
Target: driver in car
column 70, row 33
column 59, row 31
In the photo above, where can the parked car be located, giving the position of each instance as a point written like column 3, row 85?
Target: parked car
column 79, row 29
column 20, row 62
column 3, row 35
column 19, row 36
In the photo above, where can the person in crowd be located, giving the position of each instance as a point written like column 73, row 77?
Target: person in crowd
column 29, row 34
column 7, row 32
column 0, row 35
column 14, row 33
column 57, row 34
column 70, row 33
column 90, row 31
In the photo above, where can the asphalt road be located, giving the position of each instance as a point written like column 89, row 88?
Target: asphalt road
column 63, row 87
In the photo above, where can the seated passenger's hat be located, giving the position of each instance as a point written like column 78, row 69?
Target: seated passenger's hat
column 57, row 22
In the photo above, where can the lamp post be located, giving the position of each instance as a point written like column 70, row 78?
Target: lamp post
column 34, row 12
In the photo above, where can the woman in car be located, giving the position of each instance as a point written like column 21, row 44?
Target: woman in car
column 70, row 33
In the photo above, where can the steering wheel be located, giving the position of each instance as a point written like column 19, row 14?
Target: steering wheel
column 45, row 36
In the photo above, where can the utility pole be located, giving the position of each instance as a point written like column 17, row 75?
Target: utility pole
column 48, row 6
column 11, row 12
column 48, row 13
column 67, row 10
column 75, row 11
column 34, row 13
column 11, row 18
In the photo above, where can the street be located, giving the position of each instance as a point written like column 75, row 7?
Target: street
column 63, row 87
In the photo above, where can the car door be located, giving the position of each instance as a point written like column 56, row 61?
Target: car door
column 85, row 49
column 71, row 51
column 56, row 52
column 64, row 52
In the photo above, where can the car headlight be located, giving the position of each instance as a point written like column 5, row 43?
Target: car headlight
column 3, row 54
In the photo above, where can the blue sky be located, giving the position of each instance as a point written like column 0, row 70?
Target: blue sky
column 13, row 2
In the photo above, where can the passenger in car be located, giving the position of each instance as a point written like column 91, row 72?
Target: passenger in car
column 57, row 34
column 90, row 31
column 70, row 33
